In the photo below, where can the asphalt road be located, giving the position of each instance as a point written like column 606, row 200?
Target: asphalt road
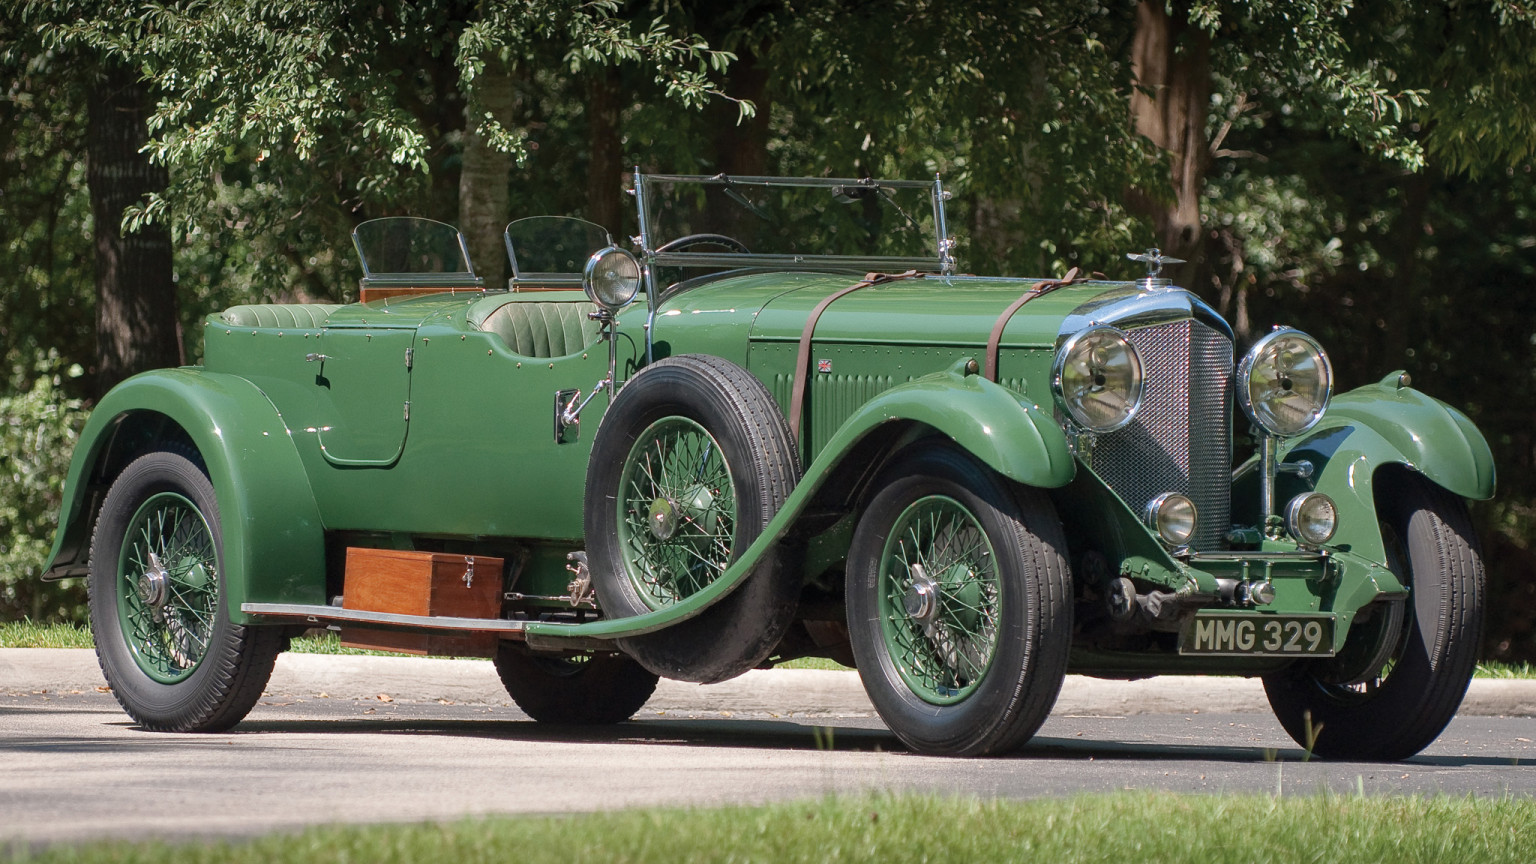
column 77, row 769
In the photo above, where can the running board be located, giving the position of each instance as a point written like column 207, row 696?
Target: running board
column 323, row 614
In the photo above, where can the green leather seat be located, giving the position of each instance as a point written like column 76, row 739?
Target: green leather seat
column 537, row 329
column 292, row 316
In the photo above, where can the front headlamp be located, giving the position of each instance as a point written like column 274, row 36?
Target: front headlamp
column 611, row 278
column 1173, row 517
column 1311, row 517
column 1097, row 378
column 1284, row 383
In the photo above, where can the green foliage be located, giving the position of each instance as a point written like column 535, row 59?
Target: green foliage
column 45, row 248
column 1306, row 51
column 38, row 429
column 289, row 87
column 1475, row 68
column 892, row 829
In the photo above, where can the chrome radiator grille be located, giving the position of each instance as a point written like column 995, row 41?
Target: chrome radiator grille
column 1181, row 440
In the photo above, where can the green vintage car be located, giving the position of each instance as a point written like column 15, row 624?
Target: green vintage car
column 785, row 426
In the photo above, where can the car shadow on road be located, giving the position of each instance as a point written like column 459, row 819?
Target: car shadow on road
column 798, row 735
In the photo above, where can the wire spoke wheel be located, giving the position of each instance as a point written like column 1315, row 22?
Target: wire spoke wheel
column 159, row 601
column 677, row 511
column 959, row 610
column 168, row 587
column 690, row 464
column 940, row 599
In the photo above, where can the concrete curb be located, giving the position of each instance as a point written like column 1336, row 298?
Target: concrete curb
column 774, row 691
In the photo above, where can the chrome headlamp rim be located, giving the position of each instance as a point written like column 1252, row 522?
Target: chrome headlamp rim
column 590, row 273
column 1159, row 506
column 1133, row 398
column 1245, row 370
column 1293, row 518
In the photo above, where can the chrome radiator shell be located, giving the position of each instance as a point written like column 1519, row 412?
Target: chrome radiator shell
column 1181, row 439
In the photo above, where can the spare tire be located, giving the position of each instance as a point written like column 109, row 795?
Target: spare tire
column 690, row 463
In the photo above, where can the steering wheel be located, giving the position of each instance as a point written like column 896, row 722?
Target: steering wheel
column 695, row 239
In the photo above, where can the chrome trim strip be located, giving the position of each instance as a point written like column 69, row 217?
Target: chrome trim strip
column 946, row 243
column 806, row 182
column 336, row 613
column 572, row 279
column 646, row 257
column 424, row 280
column 1132, row 308
column 1260, row 557
column 778, row 260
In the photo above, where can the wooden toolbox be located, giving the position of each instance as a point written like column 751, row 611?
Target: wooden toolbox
column 422, row 583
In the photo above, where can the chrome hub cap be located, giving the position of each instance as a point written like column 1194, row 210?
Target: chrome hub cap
column 922, row 598
column 154, row 587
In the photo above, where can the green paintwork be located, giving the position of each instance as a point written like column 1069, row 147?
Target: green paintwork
column 954, row 311
column 1432, row 437
column 1365, row 429
column 413, row 425
column 274, row 547
column 367, row 429
column 1014, row 437
column 480, row 434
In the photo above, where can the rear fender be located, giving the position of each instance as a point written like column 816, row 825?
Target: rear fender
column 274, row 549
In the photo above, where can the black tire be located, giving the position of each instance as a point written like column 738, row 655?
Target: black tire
column 740, row 435
column 185, row 667
column 1398, row 710
column 974, row 669
column 581, row 690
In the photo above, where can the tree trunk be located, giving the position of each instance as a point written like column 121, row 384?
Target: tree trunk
column 741, row 148
column 136, row 326
column 484, row 177
column 1171, row 62
column 605, row 167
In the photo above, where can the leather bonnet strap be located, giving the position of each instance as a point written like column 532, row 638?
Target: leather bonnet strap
column 803, row 356
column 1042, row 287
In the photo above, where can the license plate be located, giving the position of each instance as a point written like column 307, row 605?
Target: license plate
column 1255, row 635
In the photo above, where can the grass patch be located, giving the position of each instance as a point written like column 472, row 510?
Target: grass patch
column 27, row 634
column 1505, row 670
column 814, row 663
column 1140, row 827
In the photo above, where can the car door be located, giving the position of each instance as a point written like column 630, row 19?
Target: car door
column 364, row 379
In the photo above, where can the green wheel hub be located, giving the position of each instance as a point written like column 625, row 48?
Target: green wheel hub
column 939, row 599
column 677, row 511
column 168, row 592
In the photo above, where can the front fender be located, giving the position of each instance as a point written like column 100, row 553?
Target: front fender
column 1387, row 424
column 1012, row 435
column 274, row 548
column 1430, row 436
